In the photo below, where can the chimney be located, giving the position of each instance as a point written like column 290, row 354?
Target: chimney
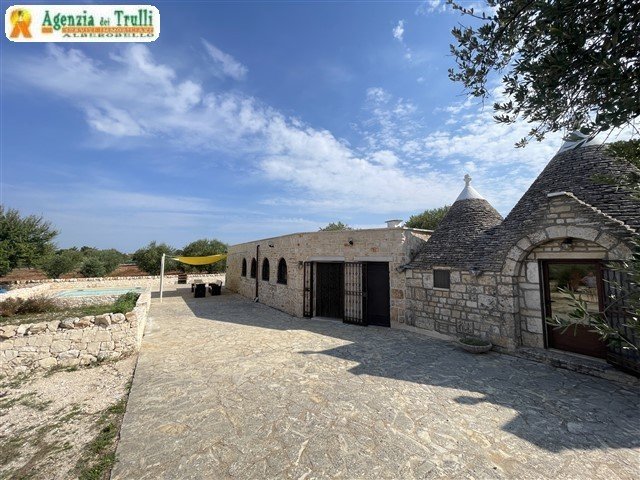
column 394, row 223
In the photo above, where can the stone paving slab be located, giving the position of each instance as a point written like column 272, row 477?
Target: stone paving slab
column 227, row 388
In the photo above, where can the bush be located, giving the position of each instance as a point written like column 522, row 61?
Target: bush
column 22, row 306
column 148, row 258
column 9, row 307
column 110, row 259
column 125, row 303
column 93, row 267
column 429, row 219
column 100, row 263
column 63, row 261
column 335, row 227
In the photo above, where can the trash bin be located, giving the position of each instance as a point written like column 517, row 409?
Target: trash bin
column 200, row 290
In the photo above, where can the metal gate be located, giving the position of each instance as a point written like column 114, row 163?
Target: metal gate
column 307, row 295
column 617, row 287
column 355, row 293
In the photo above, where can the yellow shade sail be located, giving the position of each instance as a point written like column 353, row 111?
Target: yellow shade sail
column 208, row 260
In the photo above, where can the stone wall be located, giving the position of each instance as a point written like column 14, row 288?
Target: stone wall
column 481, row 306
column 393, row 245
column 52, row 286
column 505, row 306
column 27, row 291
column 72, row 341
column 143, row 280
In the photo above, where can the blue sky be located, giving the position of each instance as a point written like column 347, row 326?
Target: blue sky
column 248, row 120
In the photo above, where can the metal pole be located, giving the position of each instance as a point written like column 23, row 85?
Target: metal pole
column 257, row 269
column 161, row 276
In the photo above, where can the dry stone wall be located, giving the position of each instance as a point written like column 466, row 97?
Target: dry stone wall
column 481, row 306
column 146, row 280
column 72, row 341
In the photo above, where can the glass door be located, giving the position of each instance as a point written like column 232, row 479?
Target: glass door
column 584, row 279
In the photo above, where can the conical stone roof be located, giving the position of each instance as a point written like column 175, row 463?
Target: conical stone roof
column 452, row 242
column 590, row 173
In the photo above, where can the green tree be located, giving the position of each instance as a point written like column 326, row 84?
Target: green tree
column 110, row 259
column 63, row 261
column 24, row 241
column 335, row 226
column 202, row 248
column 429, row 219
column 148, row 258
column 564, row 64
column 93, row 267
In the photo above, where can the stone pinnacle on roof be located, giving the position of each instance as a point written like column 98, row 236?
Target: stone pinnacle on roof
column 469, row 192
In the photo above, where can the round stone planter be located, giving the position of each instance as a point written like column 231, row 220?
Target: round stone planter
column 475, row 348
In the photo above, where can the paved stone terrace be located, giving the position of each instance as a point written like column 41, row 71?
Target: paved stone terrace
column 226, row 388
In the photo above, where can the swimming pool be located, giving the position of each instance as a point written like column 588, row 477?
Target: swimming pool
column 95, row 292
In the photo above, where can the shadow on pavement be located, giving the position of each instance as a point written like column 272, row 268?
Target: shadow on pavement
column 556, row 409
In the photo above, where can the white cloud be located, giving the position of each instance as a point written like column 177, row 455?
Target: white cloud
column 431, row 6
column 428, row 7
column 313, row 167
column 398, row 34
column 385, row 157
column 398, row 31
column 399, row 166
column 223, row 63
column 113, row 121
column 390, row 121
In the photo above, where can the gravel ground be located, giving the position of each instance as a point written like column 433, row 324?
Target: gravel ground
column 63, row 424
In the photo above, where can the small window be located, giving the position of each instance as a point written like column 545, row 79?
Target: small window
column 254, row 267
column 265, row 270
column 282, row 271
column 244, row 267
column 442, row 279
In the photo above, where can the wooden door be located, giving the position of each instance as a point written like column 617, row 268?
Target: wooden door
column 584, row 279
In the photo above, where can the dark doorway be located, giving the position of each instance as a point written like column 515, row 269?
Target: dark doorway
column 378, row 294
column 329, row 292
column 584, row 279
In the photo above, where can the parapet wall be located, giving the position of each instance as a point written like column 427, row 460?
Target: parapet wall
column 34, row 288
column 72, row 341
column 143, row 280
